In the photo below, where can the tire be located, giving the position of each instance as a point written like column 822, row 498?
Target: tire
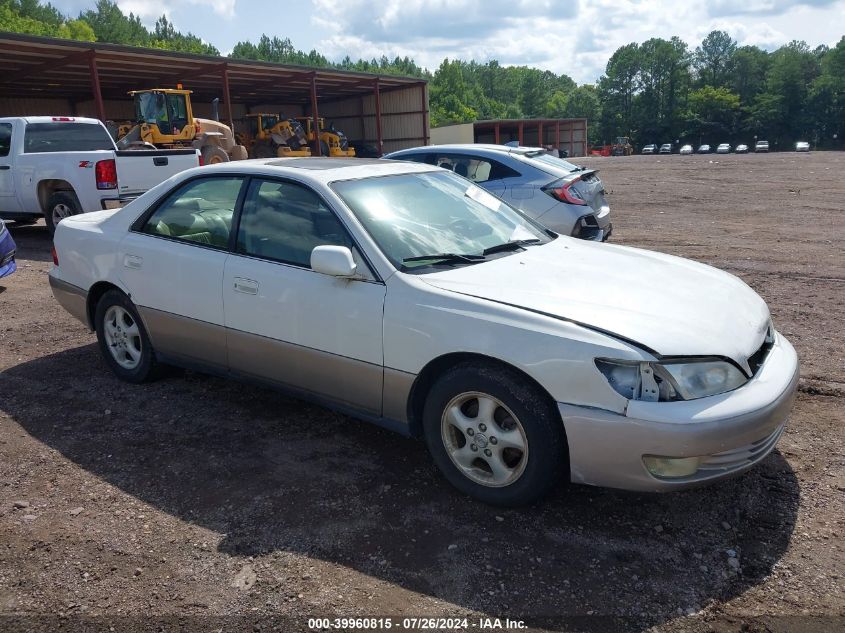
column 514, row 414
column 212, row 154
column 60, row 205
column 123, row 340
column 324, row 149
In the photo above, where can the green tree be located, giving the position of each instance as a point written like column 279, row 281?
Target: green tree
column 111, row 25
column 713, row 58
column 712, row 113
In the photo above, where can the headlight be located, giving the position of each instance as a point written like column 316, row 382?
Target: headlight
column 665, row 382
column 707, row 378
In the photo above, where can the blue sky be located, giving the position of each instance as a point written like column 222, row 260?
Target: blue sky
column 575, row 37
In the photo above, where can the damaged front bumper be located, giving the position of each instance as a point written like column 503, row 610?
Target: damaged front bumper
column 709, row 438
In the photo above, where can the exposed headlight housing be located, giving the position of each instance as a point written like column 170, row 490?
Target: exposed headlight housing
column 671, row 380
column 2, row 228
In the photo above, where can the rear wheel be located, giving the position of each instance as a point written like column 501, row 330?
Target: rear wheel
column 324, row 149
column 494, row 435
column 123, row 339
column 212, row 154
column 61, row 205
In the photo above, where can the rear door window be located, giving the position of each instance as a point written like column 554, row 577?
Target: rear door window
column 475, row 168
column 200, row 212
column 65, row 136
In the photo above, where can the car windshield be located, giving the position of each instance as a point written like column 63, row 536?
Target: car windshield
column 437, row 214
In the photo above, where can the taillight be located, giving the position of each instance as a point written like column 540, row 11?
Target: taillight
column 200, row 160
column 55, row 256
column 63, row 118
column 106, row 174
column 565, row 192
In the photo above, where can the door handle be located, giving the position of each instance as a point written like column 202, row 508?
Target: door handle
column 160, row 161
column 246, row 286
column 133, row 261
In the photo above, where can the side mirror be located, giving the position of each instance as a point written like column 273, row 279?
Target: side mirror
column 336, row 261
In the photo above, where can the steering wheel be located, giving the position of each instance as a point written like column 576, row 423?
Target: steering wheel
column 462, row 226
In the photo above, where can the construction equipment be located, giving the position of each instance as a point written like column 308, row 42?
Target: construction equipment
column 622, row 147
column 270, row 135
column 165, row 119
column 333, row 142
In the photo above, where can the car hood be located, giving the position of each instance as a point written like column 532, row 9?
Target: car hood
column 669, row 305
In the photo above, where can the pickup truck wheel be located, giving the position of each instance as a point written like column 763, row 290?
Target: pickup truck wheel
column 211, row 155
column 61, row 205
column 123, row 339
column 494, row 435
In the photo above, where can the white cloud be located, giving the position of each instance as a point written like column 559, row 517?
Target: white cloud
column 151, row 10
column 576, row 38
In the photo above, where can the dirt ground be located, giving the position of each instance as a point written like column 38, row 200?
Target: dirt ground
column 199, row 504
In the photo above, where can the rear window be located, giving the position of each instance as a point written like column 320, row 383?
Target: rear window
column 65, row 137
column 554, row 161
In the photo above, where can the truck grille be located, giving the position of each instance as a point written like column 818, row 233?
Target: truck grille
column 9, row 257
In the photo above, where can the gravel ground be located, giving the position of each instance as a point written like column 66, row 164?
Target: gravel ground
column 210, row 505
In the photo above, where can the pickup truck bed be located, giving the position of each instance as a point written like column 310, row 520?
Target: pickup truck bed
column 59, row 166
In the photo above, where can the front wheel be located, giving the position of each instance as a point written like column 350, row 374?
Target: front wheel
column 60, row 205
column 212, row 154
column 123, row 339
column 495, row 435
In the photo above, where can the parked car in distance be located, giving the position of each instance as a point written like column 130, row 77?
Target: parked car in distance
column 742, row 148
column 761, row 146
column 802, row 146
column 723, row 148
column 406, row 295
column 7, row 252
column 649, row 149
column 54, row 167
column 704, row 149
column 686, row 150
column 666, row 148
column 564, row 197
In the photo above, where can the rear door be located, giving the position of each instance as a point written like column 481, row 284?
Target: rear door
column 290, row 325
column 141, row 170
column 172, row 264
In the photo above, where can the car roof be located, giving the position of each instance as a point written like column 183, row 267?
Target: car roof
column 473, row 147
column 321, row 169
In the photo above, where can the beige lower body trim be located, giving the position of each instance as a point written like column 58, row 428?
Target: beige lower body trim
column 397, row 391
column 71, row 298
column 182, row 337
column 344, row 380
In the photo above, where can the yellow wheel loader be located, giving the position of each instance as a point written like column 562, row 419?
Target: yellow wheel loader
column 270, row 135
column 164, row 119
column 333, row 142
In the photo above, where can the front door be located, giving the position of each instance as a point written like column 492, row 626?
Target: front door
column 290, row 325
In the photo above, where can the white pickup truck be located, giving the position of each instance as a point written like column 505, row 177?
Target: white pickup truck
column 60, row 166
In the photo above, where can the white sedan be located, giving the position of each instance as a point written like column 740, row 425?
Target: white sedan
column 403, row 294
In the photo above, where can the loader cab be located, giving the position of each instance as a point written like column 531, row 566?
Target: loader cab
column 169, row 110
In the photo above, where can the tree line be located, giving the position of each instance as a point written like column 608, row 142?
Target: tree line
column 657, row 91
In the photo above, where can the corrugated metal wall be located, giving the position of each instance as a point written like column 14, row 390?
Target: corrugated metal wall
column 404, row 114
column 404, row 118
column 573, row 135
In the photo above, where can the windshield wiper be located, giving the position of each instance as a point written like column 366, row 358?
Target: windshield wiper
column 513, row 245
column 446, row 257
